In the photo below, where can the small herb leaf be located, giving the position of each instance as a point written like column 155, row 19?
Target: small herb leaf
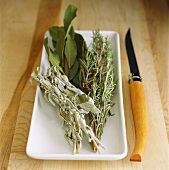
column 53, row 57
column 81, row 46
column 70, row 31
column 58, row 35
column 82, row 98
column 70, row 14
column 74, row 69
column 46, row 45
column 70, row 51
column 75, row 81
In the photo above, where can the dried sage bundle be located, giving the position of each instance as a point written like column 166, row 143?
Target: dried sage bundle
column 73, row 105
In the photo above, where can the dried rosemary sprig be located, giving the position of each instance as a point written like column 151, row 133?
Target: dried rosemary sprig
column 73, row 105
column 97, row 80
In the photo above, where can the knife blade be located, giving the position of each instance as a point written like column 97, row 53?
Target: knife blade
column 138, row 103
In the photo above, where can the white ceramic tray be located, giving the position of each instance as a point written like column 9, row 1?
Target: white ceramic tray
column 46, row 137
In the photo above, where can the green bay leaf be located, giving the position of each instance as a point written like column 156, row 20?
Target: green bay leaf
column 81, row 45
column 69, row 15
column 46, row 45
column 54, row 32
column 76, row 80
column 54, row 59
column 74, row 69
column 58, row 35
column 70, row 51
column 70, row 31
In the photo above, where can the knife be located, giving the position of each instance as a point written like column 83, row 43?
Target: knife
column 138, row 103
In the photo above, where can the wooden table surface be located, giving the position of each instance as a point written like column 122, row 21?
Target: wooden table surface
column 23, row 24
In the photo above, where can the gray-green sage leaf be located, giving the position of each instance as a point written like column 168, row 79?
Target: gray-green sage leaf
column 73, row 104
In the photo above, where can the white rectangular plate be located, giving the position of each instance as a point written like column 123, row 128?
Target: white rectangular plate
column 46, row 137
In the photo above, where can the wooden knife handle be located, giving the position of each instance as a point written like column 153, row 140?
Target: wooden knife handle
column 139, row 111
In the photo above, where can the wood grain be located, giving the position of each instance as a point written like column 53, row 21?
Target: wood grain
column 160, row 35
column 9, row 118
column 14, row 70
column 23, row 24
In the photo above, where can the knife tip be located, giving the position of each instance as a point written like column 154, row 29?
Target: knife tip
column 128, row 32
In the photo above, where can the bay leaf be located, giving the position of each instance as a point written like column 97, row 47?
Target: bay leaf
column 74, row 69
column 81, row 45
column 58, row 35
column 70, row 51
column 54, row 31
column 74, row 75
column 76, row 81
column 54, row 59
column 69, row 16
column 46, row 45
column 70, row 31
column 65, row 66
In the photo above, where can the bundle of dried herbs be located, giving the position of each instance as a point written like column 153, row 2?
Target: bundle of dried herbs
column 73, row 105
column 68, row 47
column 97, row 80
